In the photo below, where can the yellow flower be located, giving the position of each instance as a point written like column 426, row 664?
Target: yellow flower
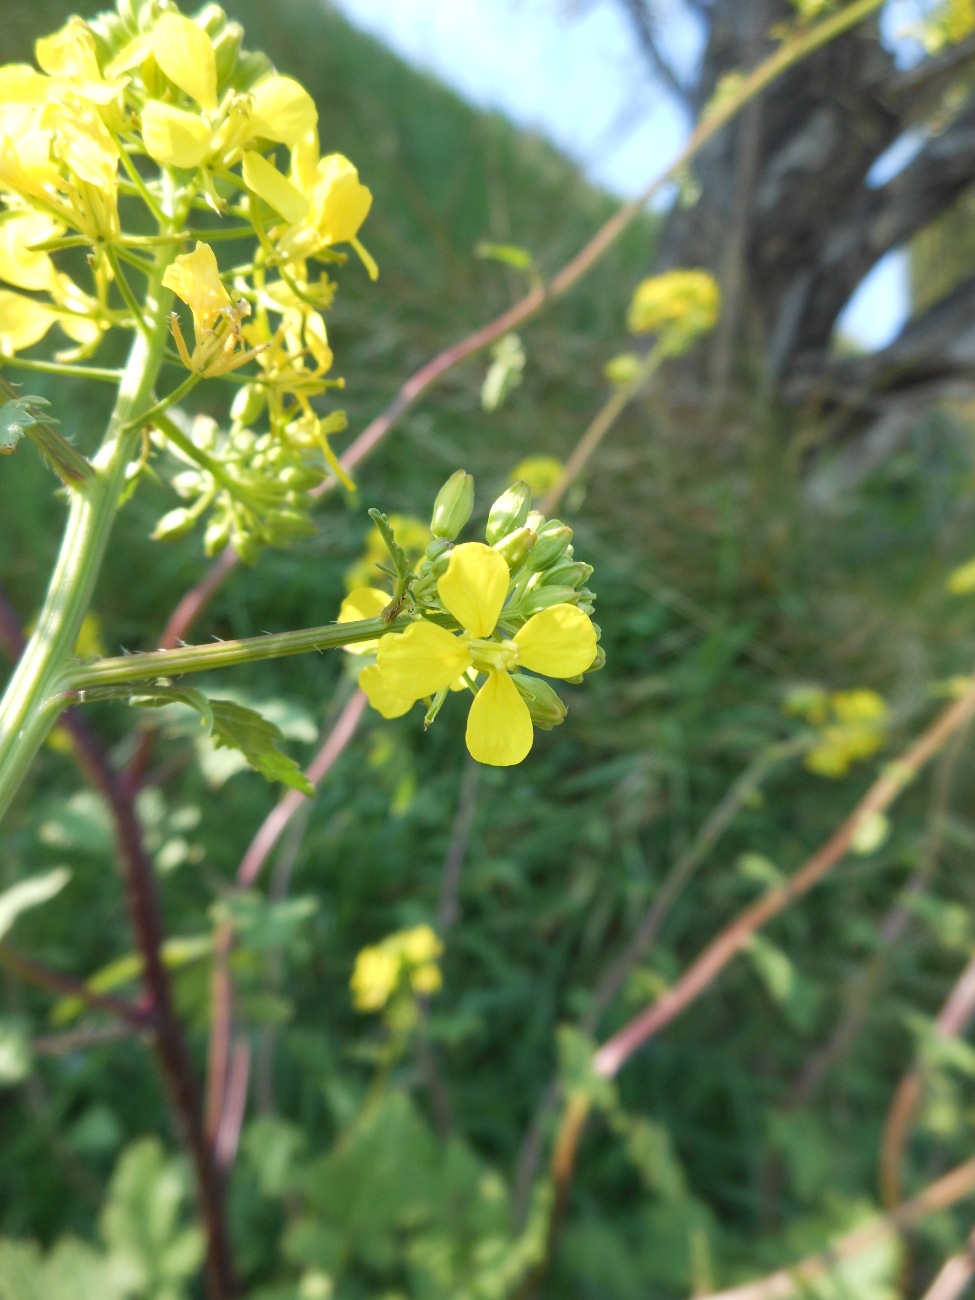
column 363, row 603
column 324, row 203
column 379, row 969
column 425, row 659
column 680, row 305
column 195, row 278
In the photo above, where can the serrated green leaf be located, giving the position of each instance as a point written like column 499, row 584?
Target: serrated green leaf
column 123, row 970
column 235, row 727
column 30, row 893
column 16, row 417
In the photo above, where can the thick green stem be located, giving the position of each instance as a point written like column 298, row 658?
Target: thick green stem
column 32, row 700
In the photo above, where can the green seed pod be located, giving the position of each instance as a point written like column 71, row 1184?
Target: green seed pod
column 552, row 546
column 453, row 505
column 177, row 523
column 546, row 709
column 516, row 547
column 509, row 512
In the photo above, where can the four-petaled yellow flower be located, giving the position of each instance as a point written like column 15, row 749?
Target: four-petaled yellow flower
column 425, row 659
column 195, row 277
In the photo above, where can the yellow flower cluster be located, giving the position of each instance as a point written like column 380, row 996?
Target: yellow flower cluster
column 850, row 726
column 404, row 960
column 485, row 620
column 208, row 122
column 678, row 305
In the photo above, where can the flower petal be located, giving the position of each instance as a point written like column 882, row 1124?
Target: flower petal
column 421, row 661
column 282, row 110
column 474, row 587
column 380, row 696
column 264, row 180
column 172, row 137
column 499, row 727
column 364, row 602
column 23, row 322
column 559, row 642
column 195, row 277
column 185, row 54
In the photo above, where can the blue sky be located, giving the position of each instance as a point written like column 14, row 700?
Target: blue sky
column 571, row 70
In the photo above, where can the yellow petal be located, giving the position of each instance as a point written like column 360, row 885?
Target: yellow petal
column 421, row 661
column 174, row 138
column 341, row 201
column 380, row 696
column 264, row 180
column 18, row 264
column 185, row 54
column 69, row 52
column 282, row 110
column 23, row 322
column 195, row 277
column 559, row 642
column 499, row 728
column 474, row 587
column 364, row 602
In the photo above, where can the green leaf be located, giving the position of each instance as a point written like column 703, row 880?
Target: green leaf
column 504, row 372
column 509, row 254
column 15, row 1050
column 29, row 893
column 72, row 1271
column 142, row 1224
column 15, row 418
column 233, row 726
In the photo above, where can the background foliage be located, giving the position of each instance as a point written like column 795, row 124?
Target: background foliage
column 388, row 1164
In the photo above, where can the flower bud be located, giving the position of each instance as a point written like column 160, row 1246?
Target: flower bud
column 546, row 709
column 249, row 401
column 552, row 545
column 570, row 574
column 453, row 505
column 212, row 19
column 509, row 512
column 514, row 548
column 599, row 661
column 439, row 546
column 217, row 535
column 177, row 523
column 546, row 597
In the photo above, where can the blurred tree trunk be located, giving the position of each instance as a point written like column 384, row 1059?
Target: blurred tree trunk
column 790, row 220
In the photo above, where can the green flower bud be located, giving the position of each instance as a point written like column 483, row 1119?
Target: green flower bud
column 509, row 512
column 453, row 505
column 552, row 545
column 546, row 597
column 291, row 523
column 439, row 546
column 536, row 521
column 515, row 547
column 249, row 401
column 299, row 478
column 177, row 523
column 212, row 19
column 599, row 661
column 217, row 536
column 252, row 65
column 571, row 574
column 546, row 709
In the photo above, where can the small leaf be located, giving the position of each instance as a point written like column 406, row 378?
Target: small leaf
column 509, row 254
column 504, row 372
column 235, row 727
column 29, row 893
column 16, row 416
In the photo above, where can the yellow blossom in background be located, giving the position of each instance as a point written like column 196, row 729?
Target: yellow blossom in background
column 425, row 659
column 540, row 473
column 406, row 959
column 678, row 305
column 850, row 726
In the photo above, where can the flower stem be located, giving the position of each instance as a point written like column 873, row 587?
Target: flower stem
column 31, row 702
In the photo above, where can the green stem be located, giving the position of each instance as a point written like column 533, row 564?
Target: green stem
column 127, row 669
column 32, row 700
